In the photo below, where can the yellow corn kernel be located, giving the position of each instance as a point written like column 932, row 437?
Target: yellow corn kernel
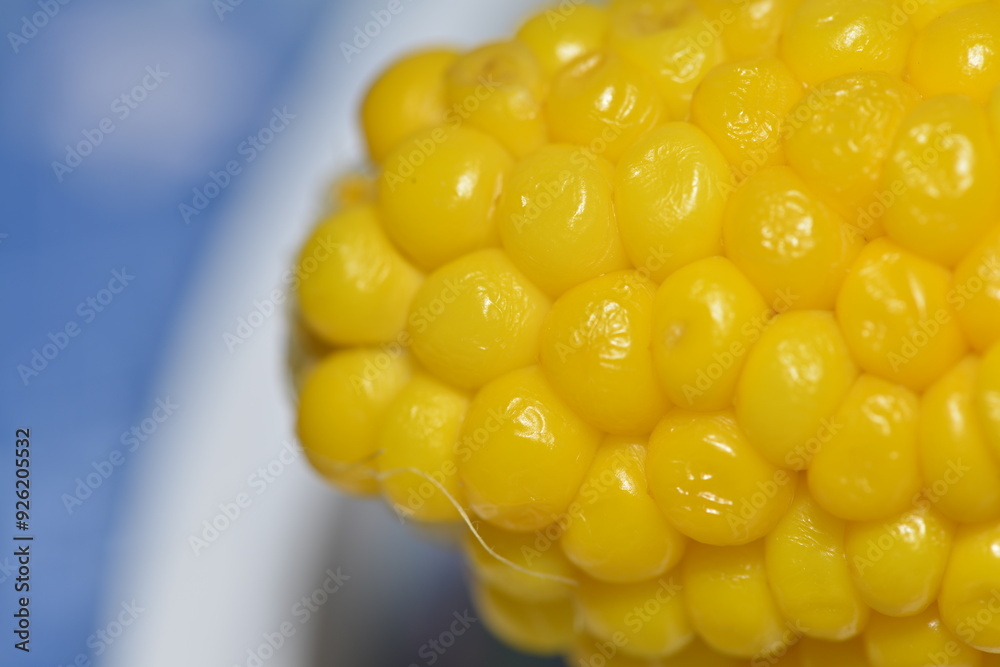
column 895, row 315
column 742, row 106
column 987, row 399
column 808, row 572
column 868, row 467
column 549, row 575
column 959, row 52
column 672, row 40
column 730, row 603
column 647, row 619
column 793, row 380
column 419, row 432
column 501, row 90
column 818, row 653
column 943, row 168
column 960, row 474
column 595, row 350
column 828, row 38
column 788, row 243
column 615, row 531
column 557, row 218
column 438, row 193
column 542, row 628
column 476, row 318
column 408, row 97
column 341, row 409
column 975, row 292
column 898, row 564
column 602, row 103
column 670, row 194
column 523, row 453
column 706, row 317
column 749, row 29
column 710, row 483
column 970, row 593
column 354, row 287
column 916, row 641
column 838, row 139
column 561, row 34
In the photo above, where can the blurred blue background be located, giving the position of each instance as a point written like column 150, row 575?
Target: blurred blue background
column 120, row 234
column 64, row 233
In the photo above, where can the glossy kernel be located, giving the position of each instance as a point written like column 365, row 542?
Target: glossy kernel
column 476, row 318
column 793, row 380
column 975, row 292
column 742, row 107
column 557, row 218
column 707, row 316
column 408, row 97
column 867, row 467
column 670, row 194
column 839, row 137
column 896, row 317
column 788, row 243
column 828, row 38
column 970, row 593
column 595, row 350
column 959, row 471
column 942, row 171
column 355, row 288
column 914, row 641
column 500, row 89
column 807, row 568
column 730, row 603
column 560, row 34
column 670, row 39
column 749, row 29
column 959, row 53
column 710, row 483
column 898, row 564
column 602, row 103
column 615, row 531
column 341, row 408
column 438, row 193
column 523, row 453
column 419, row 432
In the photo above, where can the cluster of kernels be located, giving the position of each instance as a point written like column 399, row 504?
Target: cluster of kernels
column 691, row 309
